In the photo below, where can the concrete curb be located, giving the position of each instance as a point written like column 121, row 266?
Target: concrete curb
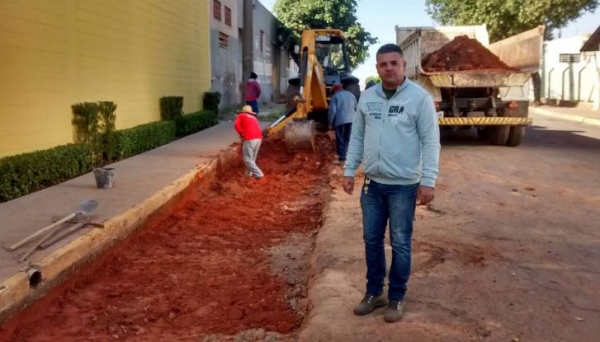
column 569, row 117
column 16, row 293
column 330, row 285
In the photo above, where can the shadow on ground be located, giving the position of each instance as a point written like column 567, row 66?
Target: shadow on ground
column 535, row 136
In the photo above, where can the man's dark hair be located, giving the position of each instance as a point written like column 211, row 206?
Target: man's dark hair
column 387, row 48
column 253, row 75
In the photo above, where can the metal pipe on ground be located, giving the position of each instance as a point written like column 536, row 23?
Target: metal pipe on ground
column 34, row 275
column 41, row 232
column 62, row 235
column 85, row 208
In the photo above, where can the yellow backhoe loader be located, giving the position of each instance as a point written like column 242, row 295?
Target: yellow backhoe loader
column 323, row 64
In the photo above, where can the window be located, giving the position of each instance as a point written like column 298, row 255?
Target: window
column 223, row 40
column 331, row 56
column 227, row 16
column 262, row 40
column 570, row 58
column 217, row 9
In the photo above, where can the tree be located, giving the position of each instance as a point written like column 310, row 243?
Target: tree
column 375, row 79
column 338, row 14
column 505, row 18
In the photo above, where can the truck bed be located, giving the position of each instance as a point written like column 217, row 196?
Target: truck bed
column 521, row 52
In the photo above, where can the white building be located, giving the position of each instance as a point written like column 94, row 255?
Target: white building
column 591, row 53
column 568, row 75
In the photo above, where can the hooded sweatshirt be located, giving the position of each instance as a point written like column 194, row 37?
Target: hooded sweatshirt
column 342, row 108
column 397, row 140
column 252, row 90
column 247, row 126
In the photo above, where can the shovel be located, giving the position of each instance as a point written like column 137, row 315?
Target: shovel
column 79, row 218
column 85, row 208
column 78, row 222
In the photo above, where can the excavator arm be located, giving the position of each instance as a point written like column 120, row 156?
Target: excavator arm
column 299, row 128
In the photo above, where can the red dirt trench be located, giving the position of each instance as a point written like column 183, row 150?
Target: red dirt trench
column 199, row 268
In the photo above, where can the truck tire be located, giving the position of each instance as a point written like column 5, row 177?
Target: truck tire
column 499, row 135
column 483, row 133
column 292, row 91
column 515, row 136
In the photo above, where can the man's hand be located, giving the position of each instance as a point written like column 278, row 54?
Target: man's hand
column 331, row 127
column 348, row 184
column 425, row 195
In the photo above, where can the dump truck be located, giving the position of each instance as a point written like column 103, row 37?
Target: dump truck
column 490, row 93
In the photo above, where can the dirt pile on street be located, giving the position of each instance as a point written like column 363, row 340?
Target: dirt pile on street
column 201, row 268
column 462, row 53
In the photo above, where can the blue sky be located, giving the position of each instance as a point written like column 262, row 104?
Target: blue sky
column 379, row 17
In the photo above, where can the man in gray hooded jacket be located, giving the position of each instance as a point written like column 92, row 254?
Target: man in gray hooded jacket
column 395, row 135
column 342, row 108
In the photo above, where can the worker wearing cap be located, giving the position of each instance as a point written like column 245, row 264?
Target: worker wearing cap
column 342, row 108
column 247, row 126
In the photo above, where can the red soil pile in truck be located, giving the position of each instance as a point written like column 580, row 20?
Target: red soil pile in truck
column 463, row 53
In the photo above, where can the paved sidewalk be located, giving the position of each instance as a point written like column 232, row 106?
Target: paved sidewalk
column 581, row 114
column 143, row 183
column 267, row 112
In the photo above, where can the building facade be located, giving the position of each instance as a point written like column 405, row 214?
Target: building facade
column 591, row 53
column 226, row 27
column 56, row 54
column 568, row 75
column 272, row 64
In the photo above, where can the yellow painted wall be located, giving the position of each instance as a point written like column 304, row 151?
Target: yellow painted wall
column 54, row 53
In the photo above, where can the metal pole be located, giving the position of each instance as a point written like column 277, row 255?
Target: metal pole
column 247, row 43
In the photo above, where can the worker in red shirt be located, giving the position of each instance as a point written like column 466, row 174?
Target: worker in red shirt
column 253, row 92
column 248, row 128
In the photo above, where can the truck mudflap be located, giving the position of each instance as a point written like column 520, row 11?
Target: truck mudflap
column 486, row 121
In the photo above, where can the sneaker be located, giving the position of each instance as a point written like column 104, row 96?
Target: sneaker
column 369, row 304
column 394, row 311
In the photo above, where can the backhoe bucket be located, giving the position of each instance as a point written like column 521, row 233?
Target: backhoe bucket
column 300, row 135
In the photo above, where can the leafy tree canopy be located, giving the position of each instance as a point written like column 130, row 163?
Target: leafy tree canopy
column 505, row 18
column 375, row 79
column 337, row 14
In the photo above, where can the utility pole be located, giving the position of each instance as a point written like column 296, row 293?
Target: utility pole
column 247, row 43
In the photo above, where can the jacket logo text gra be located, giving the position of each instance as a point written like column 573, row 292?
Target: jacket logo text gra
column 396, row 109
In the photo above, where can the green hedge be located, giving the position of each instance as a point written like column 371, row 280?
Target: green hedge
column 211, row 100
column 171, row 107
column 143, row 138
column 139, row 139
column 25, row 173
column 195, row 122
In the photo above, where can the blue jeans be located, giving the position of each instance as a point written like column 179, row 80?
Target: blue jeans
column 254, row 105
column 342, row 139
column 380, row 203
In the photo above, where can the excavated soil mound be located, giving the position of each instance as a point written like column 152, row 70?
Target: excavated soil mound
column 201, row 267
column 462, row 53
